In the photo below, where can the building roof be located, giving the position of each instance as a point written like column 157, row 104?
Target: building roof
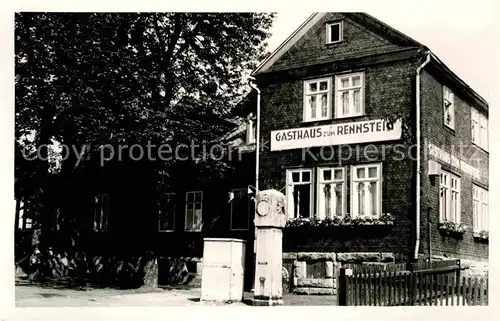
column 375, row 25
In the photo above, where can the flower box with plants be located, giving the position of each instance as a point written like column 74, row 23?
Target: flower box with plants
column 453, row 229
column 481, row 235
column 337, row 226
column 336, row 221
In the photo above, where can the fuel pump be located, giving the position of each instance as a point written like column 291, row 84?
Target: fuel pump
column 270, row 220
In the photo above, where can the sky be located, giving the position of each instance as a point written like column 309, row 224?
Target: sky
column 464, row 39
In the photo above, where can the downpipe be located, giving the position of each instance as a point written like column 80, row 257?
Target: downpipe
column 251, row 83
column 419, row 172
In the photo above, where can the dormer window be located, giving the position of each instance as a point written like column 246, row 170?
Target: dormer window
column 334, row 32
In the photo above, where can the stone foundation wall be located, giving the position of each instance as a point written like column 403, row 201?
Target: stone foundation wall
column 476, row 268
column 316, row 272
column 471, row 268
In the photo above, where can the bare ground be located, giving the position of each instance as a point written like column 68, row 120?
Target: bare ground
column 36, row 295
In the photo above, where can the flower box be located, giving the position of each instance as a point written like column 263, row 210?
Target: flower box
column 481, row 235
column 453, row 229
column 313, row 230
column 385, row 219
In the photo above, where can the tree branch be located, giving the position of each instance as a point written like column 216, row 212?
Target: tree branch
column 158, row 32
column 174, row 37
column 189, row 40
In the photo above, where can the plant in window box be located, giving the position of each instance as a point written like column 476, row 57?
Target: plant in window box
column 452, row 228
column 297, row 222
column 482, row 235
column 362, row 220
column 335, row 221
column 386, row 219
column 331, row 221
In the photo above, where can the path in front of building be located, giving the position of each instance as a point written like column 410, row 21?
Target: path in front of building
column 36, row 296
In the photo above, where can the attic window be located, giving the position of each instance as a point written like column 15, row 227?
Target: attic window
column 334, row 32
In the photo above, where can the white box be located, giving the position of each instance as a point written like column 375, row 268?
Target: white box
column 223, row 269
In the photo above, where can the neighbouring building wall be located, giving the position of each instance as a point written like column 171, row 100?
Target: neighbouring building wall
column 436, row 133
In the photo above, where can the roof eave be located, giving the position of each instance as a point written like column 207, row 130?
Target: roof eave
column 474, row 95
column 280, row 48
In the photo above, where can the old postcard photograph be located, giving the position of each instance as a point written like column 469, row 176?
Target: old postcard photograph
column 257, row 158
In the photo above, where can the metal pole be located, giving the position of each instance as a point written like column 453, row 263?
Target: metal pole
column 257, row 133
column 257, row 154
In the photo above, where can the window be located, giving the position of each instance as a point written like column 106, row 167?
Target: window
column 480, row 218
column 474, row 126
column 483, row 131
column 334, row 32
column 349, row 95
column 101, row 212
column 250, row 130
column 479, row 129
column 24, row 222
column 194, row 201
column 366, row 192
column 331, row 192
column 317, row 99
column 240, row 209
column 299, row 193
column 449, row 107
column 166, row 213
column 449, row 197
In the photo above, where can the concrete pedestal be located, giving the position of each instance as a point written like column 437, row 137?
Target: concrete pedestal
column 269, row 222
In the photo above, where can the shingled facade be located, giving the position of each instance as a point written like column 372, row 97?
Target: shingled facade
column 339, row 129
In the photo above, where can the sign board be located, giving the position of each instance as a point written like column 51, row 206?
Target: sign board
column 454, row 161
column 359, row 132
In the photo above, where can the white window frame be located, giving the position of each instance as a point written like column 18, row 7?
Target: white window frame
column 483, row 131
column 290, row 187
column 354, row 195
column 339, row 113
column 450, row 191
column 193, row 204
column 24, row 223
column 449, row 107
column 171, row 197
column 243, row 191
column 329, row 31
column 479, row 129
column 101, row 220
column 474, row 127
column 332, row 182
column 480, row 209
column 250, row 130
column 307, row 117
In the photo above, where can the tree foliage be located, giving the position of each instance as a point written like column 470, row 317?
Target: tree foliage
column 131, row 75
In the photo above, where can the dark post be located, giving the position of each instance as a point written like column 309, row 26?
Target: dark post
column 429, row 227
column 342, row 287
column 459, row 268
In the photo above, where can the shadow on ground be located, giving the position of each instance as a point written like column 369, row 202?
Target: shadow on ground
column 69, row 284
column 83, row 285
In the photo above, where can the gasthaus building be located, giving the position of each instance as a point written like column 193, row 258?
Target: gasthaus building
column 381, row 149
